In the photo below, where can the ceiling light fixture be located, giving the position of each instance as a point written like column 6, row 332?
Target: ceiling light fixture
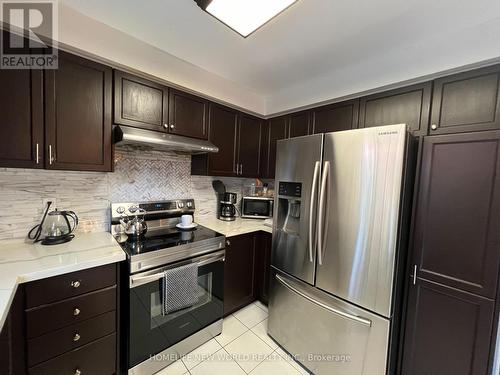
column 244, row 16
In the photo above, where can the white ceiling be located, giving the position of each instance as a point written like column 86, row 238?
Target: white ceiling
column 316, row 50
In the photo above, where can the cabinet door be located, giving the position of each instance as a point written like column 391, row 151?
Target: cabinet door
column 263, row 265
column 466, row 102
column 239, row 283
column 187, row 115
column 78, row 115
column 458, row 212
column 336, row 117
column 21, row 122
column 249, row 146
column 223, row 126
column 448, row 331
column 140, row 103
column 409, row 105
column 299, row 124
column 277, row 130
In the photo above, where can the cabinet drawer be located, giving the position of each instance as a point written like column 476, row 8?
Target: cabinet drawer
column 69, row 285
column 57, row 342
column 98, row 358
column 47, row 318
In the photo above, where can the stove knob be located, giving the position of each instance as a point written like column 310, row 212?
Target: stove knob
column 120, row 210
column 181, row 204
column 189, row 204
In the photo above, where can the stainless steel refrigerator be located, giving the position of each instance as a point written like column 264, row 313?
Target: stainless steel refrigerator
column 338, row 248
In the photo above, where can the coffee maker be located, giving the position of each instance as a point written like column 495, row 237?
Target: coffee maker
column 227, row 208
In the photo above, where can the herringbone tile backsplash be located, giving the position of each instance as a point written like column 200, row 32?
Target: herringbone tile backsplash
column 140, row 175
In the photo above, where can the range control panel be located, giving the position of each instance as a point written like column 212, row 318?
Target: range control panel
column 173, row 207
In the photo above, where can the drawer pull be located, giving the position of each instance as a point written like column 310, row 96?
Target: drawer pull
column 75, row 284
column 76, row 337
column 76, row 311
column 78, row 372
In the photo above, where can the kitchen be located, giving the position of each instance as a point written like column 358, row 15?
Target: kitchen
column 340, row 225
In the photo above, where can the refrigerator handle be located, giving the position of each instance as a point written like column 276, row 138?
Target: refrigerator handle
column 312, row 234
column 324, row 196
column 332, row 309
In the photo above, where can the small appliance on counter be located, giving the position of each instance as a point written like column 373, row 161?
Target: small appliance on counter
column 56, row 227
column 257, row 207
column 226, row 202
column 227, row 208
column 174, row 296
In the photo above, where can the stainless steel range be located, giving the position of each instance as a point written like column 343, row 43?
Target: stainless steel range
column 156, row 337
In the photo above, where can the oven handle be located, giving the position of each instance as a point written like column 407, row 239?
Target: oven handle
column 139, row 280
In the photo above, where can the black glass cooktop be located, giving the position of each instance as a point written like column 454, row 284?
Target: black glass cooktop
column 160, row 239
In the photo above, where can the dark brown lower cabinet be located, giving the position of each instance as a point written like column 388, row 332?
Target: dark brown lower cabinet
column 239, row 272
column 246, row 270
column 448, row 331
column 50, row 331
column 12, row 338
column 263, row 265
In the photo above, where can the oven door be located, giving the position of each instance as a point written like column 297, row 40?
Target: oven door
column 150, row 332
column 257, row 208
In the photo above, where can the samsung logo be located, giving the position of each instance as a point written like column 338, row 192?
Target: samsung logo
column 388, row 133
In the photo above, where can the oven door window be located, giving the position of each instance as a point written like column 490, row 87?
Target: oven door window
column 256, row 208
column 152, row 332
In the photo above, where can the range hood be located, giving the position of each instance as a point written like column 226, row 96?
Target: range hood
column 126, row 135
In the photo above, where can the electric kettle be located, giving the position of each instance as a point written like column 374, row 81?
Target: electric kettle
column 55, row 228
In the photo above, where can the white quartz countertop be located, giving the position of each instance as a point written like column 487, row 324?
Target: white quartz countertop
column 22, row 262
column 234, row 228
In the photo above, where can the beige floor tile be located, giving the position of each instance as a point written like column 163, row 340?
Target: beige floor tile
column 250, row 315
column 220, row 363
column 201, row 353
column 261, row 331
column 248, row 350
column 232, row 328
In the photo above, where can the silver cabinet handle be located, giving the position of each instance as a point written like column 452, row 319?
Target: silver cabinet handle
column 312, row 237
column 228, row 243
column 75, row 284
column 332, row 309
column 78, row 372
column 76, row 337
column 51, row 157
column 165, row 126
column 37, row 153
column 434, row 126
column 172, row 126
column 323, row 202
column 414, row 276
column 76, row 311
column 135, row 281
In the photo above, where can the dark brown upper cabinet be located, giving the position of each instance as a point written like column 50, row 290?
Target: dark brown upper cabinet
column 299, row 124
column 466, row 102
column 140, row 103
column 249, row 138
column 239, row 272
column 278, row 129
column 188, row 115
column 78, row 106
column 448, row 332
column 408, row 105
column 223, row 124
column 21, row 122
column 458, row 213
column 335, row 117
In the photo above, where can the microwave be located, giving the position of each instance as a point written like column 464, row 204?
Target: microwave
column 257, row 207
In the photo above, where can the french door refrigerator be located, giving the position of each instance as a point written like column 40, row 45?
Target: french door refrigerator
column 338, row 248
